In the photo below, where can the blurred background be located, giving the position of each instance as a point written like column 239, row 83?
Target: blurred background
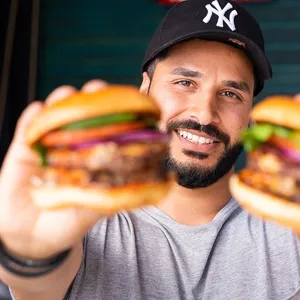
column 48, row 43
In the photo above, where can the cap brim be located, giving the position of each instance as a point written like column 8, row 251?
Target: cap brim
column 260, row 62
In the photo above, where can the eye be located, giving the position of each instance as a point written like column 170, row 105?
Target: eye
column 230, row 94
column 185, row 83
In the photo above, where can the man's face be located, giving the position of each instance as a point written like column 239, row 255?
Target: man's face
column 205, row 92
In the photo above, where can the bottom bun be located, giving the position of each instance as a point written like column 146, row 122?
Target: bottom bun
column 264, row 205
column 106, row 200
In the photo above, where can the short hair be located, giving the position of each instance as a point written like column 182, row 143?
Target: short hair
column 150, row 68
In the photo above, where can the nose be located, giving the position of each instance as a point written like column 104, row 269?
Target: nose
column 203, row 109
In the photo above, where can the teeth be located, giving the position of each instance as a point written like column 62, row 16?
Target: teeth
column 202, row 140
column 194, row 138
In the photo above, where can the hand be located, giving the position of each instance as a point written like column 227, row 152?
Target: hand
column 26, row 230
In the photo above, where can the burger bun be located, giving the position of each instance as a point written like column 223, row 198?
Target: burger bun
column 105, row 200
column 264, row 205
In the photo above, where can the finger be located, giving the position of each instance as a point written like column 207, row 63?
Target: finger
column 60, row 93
column 94, row 86
column 297, row 97
column 25, row 119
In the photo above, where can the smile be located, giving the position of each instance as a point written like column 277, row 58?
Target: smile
column 193, row 138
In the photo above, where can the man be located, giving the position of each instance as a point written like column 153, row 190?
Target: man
column 204, row 65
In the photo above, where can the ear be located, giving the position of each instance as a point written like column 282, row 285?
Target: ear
column 144, row 88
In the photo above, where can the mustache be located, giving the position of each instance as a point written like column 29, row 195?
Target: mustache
column 209, row 129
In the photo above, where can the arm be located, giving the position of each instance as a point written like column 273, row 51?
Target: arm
column 52, row 286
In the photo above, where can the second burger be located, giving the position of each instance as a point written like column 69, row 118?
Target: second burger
column 269, row 186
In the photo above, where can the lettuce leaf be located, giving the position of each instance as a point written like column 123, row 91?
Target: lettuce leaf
column 42, row 151
column 256, row 135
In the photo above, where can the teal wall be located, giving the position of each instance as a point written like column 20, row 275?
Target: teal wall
column 98, row 39
column 107, row 39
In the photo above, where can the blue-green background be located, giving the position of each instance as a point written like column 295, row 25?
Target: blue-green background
column 82, row 40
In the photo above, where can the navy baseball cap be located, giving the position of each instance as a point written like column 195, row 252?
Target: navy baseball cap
column 216, row 20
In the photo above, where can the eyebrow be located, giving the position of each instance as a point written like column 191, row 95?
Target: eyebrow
column 238, row 85
column 186, row 72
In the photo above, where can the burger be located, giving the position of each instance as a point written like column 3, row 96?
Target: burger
column 100, row 151
column 269, row 186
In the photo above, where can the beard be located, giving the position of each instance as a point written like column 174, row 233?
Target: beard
column 191, row 176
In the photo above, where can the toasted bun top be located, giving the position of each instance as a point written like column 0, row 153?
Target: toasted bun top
column 279, row 110
column 79, row 106
column 264, row 205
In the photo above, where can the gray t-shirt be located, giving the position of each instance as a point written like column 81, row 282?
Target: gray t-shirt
column 145, row 254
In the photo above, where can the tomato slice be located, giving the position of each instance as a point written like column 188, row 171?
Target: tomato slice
column 70, row 137
column 282, row 142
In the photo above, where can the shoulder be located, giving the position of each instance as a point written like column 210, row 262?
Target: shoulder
column 262, row 231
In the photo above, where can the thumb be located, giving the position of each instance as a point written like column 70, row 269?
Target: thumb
column 25, row 119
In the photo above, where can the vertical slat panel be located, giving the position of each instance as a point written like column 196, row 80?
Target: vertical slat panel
column 107, row 39
column 280, row 22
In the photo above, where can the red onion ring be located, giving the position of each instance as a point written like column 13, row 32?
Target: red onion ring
column 130, row 137
column 291, row 154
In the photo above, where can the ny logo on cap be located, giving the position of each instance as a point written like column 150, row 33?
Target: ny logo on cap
column 221, row 14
